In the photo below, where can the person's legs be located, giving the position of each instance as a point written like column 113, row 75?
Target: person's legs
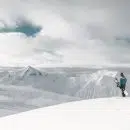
column 123, row 95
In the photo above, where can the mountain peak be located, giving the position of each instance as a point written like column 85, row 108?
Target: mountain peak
column 30, row 71
column 30, row 68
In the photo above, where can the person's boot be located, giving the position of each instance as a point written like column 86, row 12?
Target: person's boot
column 123, row 95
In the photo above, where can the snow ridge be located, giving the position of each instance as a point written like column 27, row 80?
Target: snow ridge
column 99, row 84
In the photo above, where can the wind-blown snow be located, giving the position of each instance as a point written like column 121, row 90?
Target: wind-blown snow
column 99, row 114
column 99, row 84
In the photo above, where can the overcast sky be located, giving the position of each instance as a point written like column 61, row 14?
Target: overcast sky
column 73, row 32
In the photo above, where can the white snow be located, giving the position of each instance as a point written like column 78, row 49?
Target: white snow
column 99, row 84
column 69, row 83
column 96, row 114
column 28, row 88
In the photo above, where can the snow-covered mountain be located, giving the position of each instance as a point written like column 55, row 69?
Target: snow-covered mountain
column 83, row 85
column 21, row 74
column 30, row 71
column 97, row 114
column 99, row 84
column 27, row 88
column 54, row 82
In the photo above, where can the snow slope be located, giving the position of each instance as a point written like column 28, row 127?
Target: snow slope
column 97, row 114
column 14, row 99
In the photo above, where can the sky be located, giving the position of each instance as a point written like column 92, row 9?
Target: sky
column 64, row 33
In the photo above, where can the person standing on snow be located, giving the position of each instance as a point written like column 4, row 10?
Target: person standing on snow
column 122, row 83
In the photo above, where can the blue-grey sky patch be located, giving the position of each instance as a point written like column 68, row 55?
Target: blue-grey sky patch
column 22, row 26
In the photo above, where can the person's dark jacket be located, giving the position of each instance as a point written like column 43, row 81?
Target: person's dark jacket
column 123, row 81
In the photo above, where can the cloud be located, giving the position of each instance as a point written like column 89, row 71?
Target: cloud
column 22, row 26
column 69, row 32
